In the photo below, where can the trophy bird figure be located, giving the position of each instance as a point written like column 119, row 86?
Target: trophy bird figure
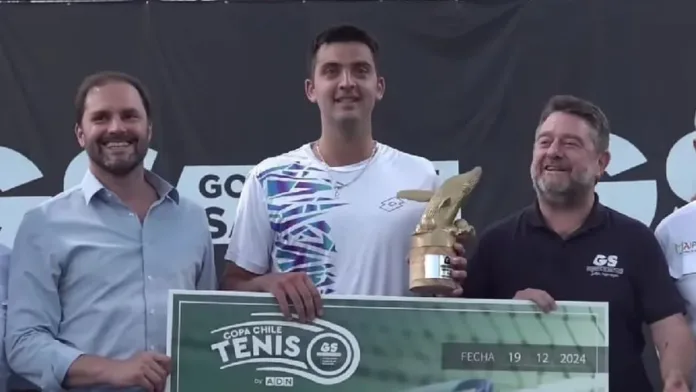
column 444, row 204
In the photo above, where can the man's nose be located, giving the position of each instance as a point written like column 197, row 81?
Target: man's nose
column 554, row 149
column 115, row 125
column 347, row 80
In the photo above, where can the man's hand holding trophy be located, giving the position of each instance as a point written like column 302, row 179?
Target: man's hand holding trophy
column 436, row 259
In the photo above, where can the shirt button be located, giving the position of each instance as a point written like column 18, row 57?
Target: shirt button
column 152, row 348
column 131, row 214
column 152, row 311
column 149, row 277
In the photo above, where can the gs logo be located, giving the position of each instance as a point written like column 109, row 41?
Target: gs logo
column 608, row 261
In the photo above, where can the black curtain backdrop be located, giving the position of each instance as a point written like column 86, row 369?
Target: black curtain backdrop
column 466, row 82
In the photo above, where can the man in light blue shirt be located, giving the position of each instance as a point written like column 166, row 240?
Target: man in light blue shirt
column 4, row 265
column 92, row 267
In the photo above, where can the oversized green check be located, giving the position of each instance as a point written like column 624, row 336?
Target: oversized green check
column 227, row 341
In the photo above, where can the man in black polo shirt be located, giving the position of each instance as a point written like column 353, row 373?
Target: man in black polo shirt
column 547, row 251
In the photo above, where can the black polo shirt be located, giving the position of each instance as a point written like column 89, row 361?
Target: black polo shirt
column 521, row 252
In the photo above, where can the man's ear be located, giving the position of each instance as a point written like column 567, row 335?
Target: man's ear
column 604, row 160
column 309, row 91
column 80, row 135
column 381, row 88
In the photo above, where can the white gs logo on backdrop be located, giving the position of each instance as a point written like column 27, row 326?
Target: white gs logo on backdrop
column 638, row 199
column 215, row 188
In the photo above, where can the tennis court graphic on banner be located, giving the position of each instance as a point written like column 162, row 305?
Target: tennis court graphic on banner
column 231, row 341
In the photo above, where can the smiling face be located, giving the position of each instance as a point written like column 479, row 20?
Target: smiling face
column 114, row 129
column 566, row 164
column 344, row 83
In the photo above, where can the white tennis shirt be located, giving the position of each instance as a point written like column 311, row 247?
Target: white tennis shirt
column 289, row 219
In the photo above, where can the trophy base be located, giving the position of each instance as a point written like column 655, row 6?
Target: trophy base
column 431, row 270
column 432, row 286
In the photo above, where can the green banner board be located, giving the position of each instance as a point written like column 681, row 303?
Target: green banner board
column 228, row 341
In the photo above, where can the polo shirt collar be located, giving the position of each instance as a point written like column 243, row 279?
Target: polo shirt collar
column 91, row 186
column 596, row 217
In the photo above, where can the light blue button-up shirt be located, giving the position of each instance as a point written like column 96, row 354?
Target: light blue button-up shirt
column 86, row 277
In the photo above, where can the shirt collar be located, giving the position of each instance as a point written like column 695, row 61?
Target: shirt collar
column 91, row 186
column 595, row 218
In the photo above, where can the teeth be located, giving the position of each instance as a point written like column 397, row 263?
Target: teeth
column 117, row 144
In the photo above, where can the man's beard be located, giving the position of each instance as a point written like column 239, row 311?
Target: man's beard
column 118, row 167
column 566, row 195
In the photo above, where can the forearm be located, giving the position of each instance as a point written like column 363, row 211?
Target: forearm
column 238, row 284
column 235, row 278
column 678, row 354
column 88, row 371
column 678, row 357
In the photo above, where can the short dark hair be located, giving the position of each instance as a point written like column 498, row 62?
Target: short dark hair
column 105, row 77
column 342, row 33
column 584, row 109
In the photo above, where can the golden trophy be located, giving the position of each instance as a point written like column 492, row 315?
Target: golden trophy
column 434, row 238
